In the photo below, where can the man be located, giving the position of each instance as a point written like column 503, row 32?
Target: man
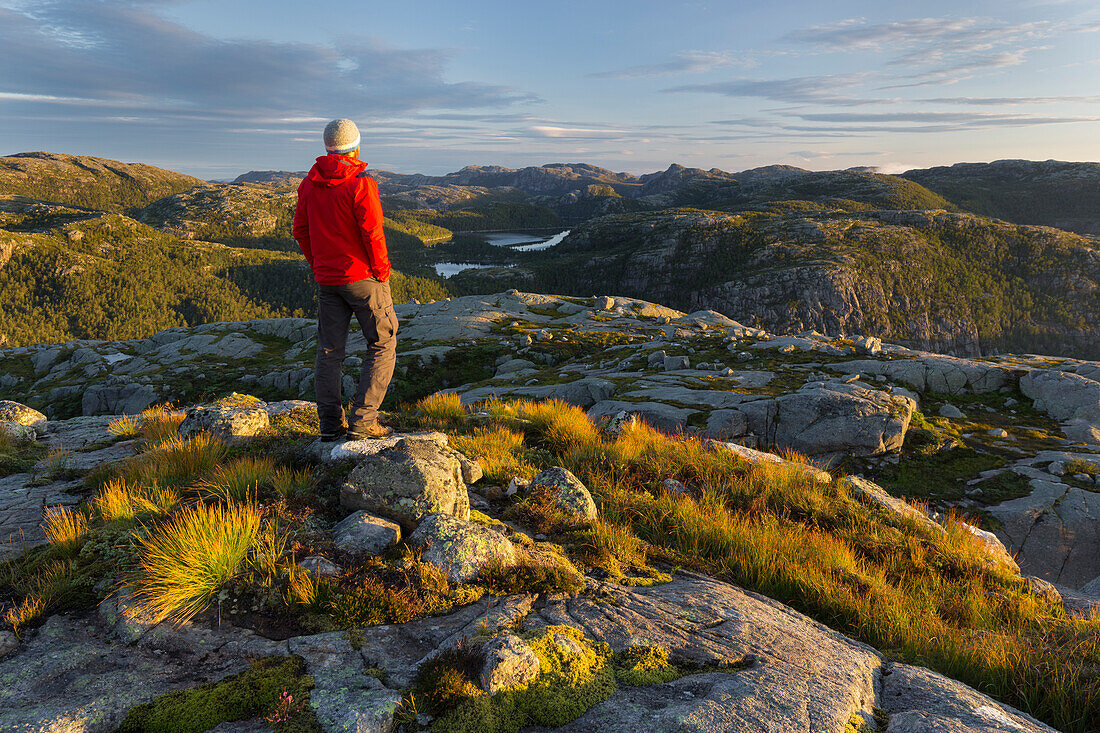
column 338, row 225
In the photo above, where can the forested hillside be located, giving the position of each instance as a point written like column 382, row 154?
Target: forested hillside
column 95, row 183
column 1052, row 193
column 954, row 282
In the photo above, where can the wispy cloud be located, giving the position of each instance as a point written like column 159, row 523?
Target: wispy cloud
column 686, row 62
column 800, row 90
column 125, row 53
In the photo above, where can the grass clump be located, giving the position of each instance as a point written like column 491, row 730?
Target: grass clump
column 258, row 690
column 183, row 562
column 240, row 480
column 175, row 462
column 119, row 501
column 65, row 527
column 441, row 408
column 290, row 483
column 575, row 675
column 562, row 426
column 498, row 450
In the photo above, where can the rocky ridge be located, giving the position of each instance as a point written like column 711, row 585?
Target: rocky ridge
column 760, row 663
column 851, row 400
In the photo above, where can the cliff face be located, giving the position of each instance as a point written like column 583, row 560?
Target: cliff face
column 949, row 282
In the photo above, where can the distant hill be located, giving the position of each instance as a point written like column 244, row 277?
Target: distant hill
column 85, row 181
column 276, row 179
column 1051, row 193
column 945, row 281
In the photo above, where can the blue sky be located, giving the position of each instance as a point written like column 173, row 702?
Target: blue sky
column 218, row 87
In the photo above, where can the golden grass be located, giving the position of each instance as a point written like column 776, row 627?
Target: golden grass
column 127, row 426
column 441, row 408
column 269, row 550
column 175, row 462
column 498, row 450
column 27, row 611
column 64, row 527
column 927, row 597
column 184, row 561
column 239, row 480
column 119, row 501
column 561, row 425
column 160, row 423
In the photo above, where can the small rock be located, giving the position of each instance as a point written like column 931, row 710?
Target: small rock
column 545, row 335
column 869, row 345
column 676, row 362
column 8, row 643
column 1083, row 477
column 516, row 485
column 672, row 487
column 319, row 567
column 1058, row 468
column 459, row 547
column 657, row 358
column 509, row 663
column 471, row 469
column 363, row 532
column 1010, row 402
column 604, row 303
column 569, row 494
column 950, row 411
column 999, row 433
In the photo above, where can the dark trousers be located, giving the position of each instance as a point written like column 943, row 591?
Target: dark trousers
column 370, row 302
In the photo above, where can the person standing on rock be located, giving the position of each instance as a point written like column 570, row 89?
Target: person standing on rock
column 338, row 226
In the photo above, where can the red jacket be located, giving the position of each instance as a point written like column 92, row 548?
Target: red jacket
column 338, row 223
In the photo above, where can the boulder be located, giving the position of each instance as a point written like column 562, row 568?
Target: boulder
column 919, row 700
column 408, row 481
column 951, row 412
column 1043, row 589
column 233, row 420
column 363, row 532
column 14, row 412
column 872, row 494
column 471, row 469
column 1053, row 532
column 17, row 432
column 461, row 548
column 509, row 663
column 125, row 398
column 568, row 494
column 8, row 643
column 1062, row 395
column 994, row 548
column 667, row 418
column 832, row 418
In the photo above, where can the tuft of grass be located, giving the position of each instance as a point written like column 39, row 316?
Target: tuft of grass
column 64, row 527
column 184, row 561
column 441, row 408
column 26, row 612
column 290, row 483
column 175, row 462
column 239, row 480
column 498, row 450
column 119, row 501
column 561, row 425
column 127, row 426
column 269, row 550
column 160, row 423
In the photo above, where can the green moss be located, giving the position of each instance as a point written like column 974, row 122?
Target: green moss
column 238, row 697
column 568, row 684
column 644, row 665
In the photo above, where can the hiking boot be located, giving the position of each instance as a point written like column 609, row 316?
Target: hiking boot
column 333, row 436
column 373, row 431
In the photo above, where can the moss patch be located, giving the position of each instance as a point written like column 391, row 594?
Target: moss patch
column 255, row 691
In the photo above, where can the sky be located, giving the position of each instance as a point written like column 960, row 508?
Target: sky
column 219, row 87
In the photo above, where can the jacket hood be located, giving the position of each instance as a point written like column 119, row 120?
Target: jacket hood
column 332, row 170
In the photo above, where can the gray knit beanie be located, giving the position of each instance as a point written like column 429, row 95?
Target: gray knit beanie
column 341, row 136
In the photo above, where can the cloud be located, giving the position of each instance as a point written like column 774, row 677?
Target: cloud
column 686, row 62
column 124, row 53
column 799, row 90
